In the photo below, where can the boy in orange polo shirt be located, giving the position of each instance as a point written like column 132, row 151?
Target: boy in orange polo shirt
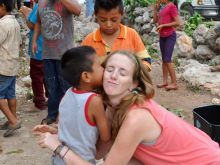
column 112, row 35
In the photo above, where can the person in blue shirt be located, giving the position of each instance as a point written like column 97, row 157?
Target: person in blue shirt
column 89, row 7
column 36, row 65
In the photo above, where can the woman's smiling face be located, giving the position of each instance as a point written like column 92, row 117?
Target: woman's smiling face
column 118, row 76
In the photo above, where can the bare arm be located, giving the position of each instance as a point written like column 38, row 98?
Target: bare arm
column 36, row 34
column 72, row 6
column 155, row 11
column 138, row 126
column 26, row 11
column 176, row 22
column 97, row 111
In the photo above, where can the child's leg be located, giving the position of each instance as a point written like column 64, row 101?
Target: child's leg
column 165, row 73
column 9, row 115
column 169, row 47
column 12, row 106
column 164, row 66
column 172, row 75
column 37, row 80
column 7, row 91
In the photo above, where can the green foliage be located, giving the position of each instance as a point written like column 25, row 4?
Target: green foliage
column 194, row 88
column 176, row 61
column 210, row 24
column 192, row 23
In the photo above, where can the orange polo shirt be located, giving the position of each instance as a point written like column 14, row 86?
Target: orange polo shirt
column 128, row 40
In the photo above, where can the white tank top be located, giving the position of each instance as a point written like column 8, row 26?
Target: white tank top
column 75, row 129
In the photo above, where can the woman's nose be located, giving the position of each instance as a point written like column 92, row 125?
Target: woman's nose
column 114, row 75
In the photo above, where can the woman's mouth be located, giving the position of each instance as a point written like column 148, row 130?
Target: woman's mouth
column 112, row 83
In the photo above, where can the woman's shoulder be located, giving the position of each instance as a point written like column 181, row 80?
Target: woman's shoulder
column 138, row 114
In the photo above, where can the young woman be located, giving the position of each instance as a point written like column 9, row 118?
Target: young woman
column 140, row 126
column 166, row 15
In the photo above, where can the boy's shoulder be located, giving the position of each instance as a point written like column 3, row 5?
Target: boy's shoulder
column 9, row 21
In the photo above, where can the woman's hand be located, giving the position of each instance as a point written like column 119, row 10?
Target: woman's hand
column 48, row 140
column 44, row 129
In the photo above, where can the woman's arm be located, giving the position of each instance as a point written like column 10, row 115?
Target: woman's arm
column 138, row 126
column 51, row 141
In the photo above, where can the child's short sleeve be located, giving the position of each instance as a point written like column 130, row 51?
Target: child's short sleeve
column 173, row 10
column 33, row 15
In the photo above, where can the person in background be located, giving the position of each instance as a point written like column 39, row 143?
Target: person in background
column 17, row 3
column 141, row 127
column 55, row 23
column 166, row 15
column 9, row 65
column 112, row 35
column 89, row 7
column 27, row 3
column 36, row 64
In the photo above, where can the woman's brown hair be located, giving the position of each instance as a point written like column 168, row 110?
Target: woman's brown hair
column 137, row 96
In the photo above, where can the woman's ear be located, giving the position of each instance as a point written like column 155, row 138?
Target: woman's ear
column 134, row 85
column 86, row 77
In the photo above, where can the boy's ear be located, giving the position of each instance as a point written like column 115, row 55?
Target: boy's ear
column 86, row 77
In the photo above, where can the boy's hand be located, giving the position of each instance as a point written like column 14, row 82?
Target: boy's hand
column 34, row 48
column 43, row 129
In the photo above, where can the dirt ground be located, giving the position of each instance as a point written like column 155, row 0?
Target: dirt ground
column 21, row 149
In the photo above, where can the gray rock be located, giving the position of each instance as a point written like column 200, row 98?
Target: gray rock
column 146, row 17
column 139, row 11
column 204, row 53
column 146, row 29
column 217, row 29
column 137, row 27
column 138, row 20
column 217, row 42
column 200, row 33
column 215, row 60
column 199, row 74
column 184, row 46
column 210, row 38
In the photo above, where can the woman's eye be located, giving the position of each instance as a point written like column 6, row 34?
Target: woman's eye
column 109, row 69
column 123, row 73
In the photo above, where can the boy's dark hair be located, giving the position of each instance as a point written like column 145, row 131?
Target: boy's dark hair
column 75, row 61
column 108, row 5
column 9, row 4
